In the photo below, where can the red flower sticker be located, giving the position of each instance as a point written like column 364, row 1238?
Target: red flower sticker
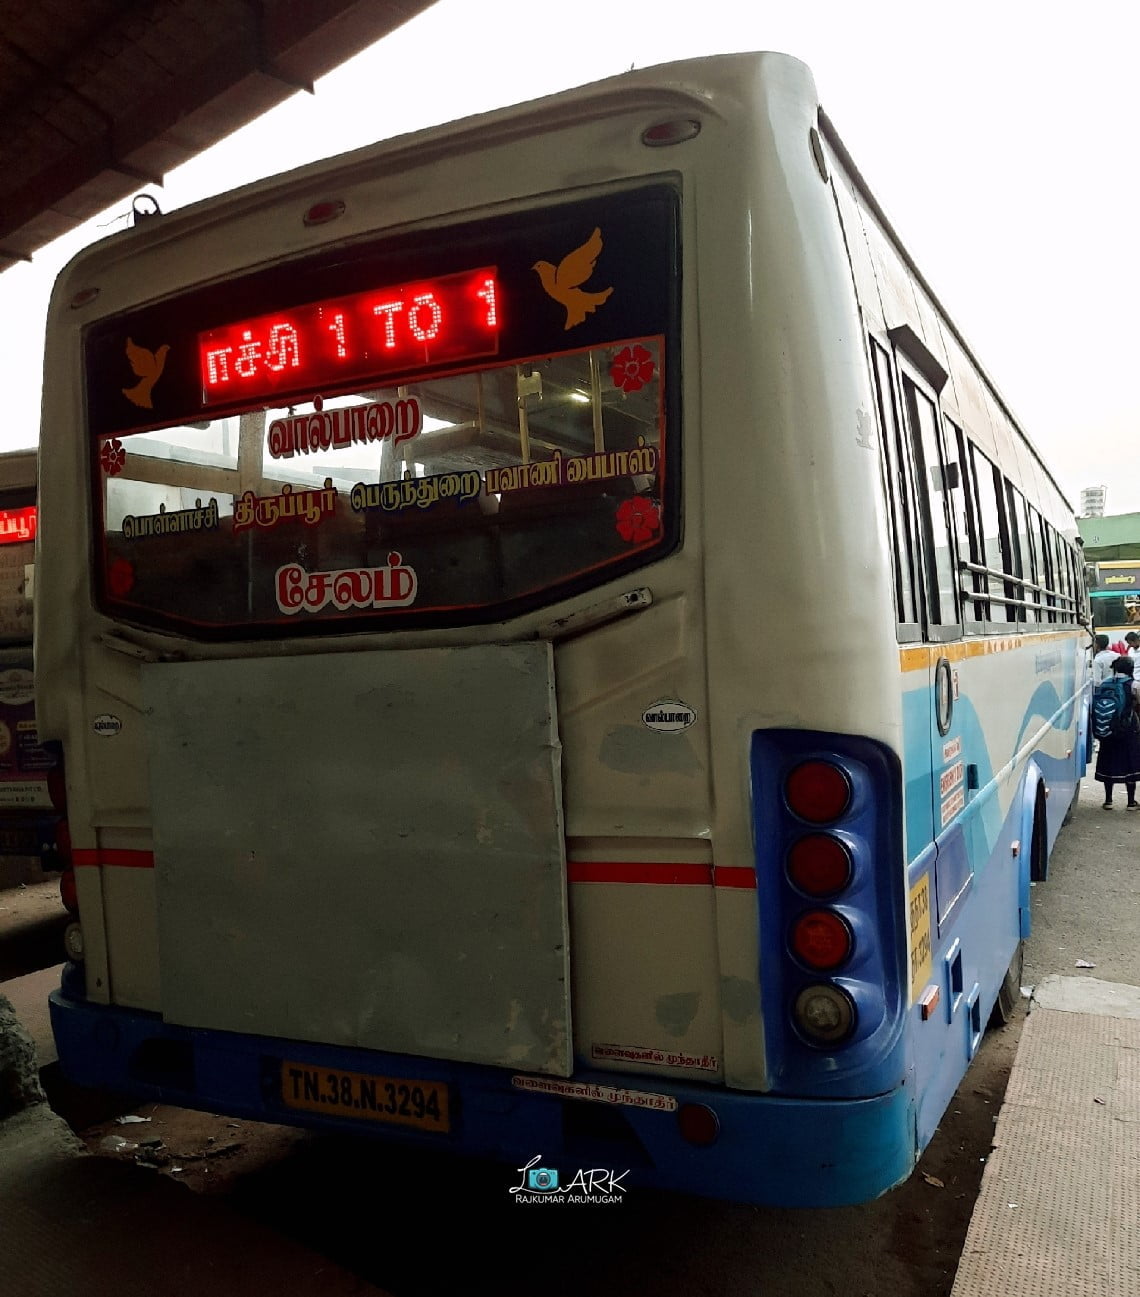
column 632, row 368
column 121, row 578
column 112, row 457
column 637, row 519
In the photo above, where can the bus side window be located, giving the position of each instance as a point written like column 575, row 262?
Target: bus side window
column 964, row 515
column 1036, row 594
column 1061, row 570
column 1022, row 551
column 989, row 492
column 1074, row 563
column 1051, row 579
column 1080, row 590
column 1061, row 573
column 933, row 481
column 900, row 505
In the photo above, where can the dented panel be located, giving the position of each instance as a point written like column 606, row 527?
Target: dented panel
column 365, row 849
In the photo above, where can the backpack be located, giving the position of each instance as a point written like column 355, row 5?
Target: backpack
column 1111, row 707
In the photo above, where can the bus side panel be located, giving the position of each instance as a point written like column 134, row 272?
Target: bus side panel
column 1017, row 715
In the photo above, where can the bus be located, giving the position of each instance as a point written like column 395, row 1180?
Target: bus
column 561, row 652
column 31, row 785
column 1115, row 597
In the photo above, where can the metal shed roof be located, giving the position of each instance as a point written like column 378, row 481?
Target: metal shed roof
column 99, row 97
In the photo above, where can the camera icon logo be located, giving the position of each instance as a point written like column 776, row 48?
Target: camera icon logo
column 543, row 1179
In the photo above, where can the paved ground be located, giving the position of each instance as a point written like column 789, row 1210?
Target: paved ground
column 1089, row 910
column 1061, row 1194
column 32, row 920
column 74, row 1225
column 82, row 1226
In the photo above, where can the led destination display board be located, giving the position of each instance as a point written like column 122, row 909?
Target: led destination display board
column 390, row 309
column 451, row 318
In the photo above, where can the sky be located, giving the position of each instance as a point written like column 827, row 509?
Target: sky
column 999, row 137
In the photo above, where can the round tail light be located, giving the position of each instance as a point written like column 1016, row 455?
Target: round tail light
column 698, row 1125
column 821, row 939
column 824, row 1014
column 819, row 865
column 817, row 791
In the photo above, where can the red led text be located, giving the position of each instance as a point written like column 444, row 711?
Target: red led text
column 321, row 344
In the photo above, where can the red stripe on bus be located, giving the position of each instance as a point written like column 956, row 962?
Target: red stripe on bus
column 578, row 871
column 595, row 871
column 114, row 856
column 735, row 876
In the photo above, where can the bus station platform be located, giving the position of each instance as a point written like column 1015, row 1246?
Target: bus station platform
column 1058, row 1214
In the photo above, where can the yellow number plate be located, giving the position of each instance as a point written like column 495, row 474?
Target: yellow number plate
column 422, row 1104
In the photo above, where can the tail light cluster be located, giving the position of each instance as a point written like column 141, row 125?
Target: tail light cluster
column 820, row 867
column 827, row 825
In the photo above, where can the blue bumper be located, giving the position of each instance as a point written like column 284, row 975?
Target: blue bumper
column 772, row 1151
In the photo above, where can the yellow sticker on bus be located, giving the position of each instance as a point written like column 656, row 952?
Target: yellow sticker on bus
column 919, row 927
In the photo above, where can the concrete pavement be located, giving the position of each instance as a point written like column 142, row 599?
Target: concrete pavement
column 74, row 1225
column 1060, row 1199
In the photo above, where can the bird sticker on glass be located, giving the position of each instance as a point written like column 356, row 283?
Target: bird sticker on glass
column 147, row 367
column 564, row 282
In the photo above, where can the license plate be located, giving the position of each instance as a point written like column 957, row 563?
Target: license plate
column 391, row 1099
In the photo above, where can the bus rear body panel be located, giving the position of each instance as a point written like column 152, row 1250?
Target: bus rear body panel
column 496, row 736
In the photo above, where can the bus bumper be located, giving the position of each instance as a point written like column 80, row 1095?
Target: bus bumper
column 769, row 1150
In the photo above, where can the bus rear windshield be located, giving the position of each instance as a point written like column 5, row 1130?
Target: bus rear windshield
column 487, row 426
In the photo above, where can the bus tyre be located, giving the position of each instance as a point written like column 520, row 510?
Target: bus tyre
column 1009, row 992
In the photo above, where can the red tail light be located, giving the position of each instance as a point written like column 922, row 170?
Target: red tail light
column 817, row 791
column 821, row 939
column 698, row 1124
column 819, row 864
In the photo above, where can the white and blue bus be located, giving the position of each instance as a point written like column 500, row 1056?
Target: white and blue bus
column 560, row 649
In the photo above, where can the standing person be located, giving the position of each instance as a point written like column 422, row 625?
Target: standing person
column 1118, row 756
column 1132, row 639
column 1102, row 661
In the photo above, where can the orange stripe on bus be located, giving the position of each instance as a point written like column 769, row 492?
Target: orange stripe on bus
column 922, row 657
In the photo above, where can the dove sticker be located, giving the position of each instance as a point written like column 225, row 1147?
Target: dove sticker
column 564, row 281
column 148, row 367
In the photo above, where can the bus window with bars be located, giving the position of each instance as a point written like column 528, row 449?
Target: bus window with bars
column 1023, row 548
column 963, row 514
column 933, row 479
column 900, row 502
column 995, row 546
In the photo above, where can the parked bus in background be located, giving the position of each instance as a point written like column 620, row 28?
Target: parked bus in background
column 31, row 787
column 1115, row 597
column 445, row 552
